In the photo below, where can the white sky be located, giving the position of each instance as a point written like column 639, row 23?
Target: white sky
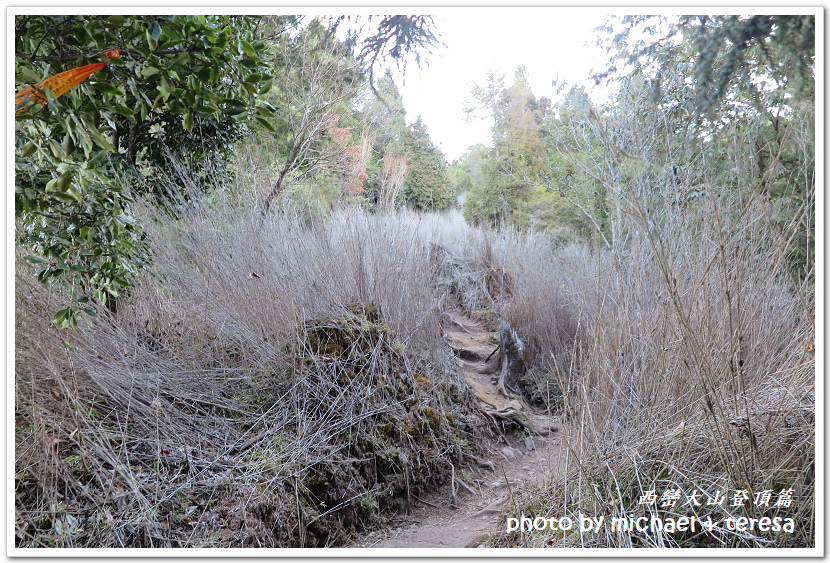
column 550, row 42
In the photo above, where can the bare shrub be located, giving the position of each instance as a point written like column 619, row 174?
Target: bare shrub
column 392, row 178
column 691, row 371
column 547, row 302
column 691, row 366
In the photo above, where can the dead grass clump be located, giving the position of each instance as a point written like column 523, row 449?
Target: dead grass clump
column 460, row 279
column 241, row 396
column 376, row 426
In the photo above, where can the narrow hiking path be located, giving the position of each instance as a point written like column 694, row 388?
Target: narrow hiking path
column 464, row 514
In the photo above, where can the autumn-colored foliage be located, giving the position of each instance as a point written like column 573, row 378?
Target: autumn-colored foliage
column 59, row 83
column 358, row 153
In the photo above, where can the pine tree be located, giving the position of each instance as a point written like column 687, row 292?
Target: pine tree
column 427, row 185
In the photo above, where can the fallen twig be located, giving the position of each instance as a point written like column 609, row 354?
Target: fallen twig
column 419, row 499
column 466, row 486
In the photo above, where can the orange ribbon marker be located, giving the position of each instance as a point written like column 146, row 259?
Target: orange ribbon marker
column 59, row 83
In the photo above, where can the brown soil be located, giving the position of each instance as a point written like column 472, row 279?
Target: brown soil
column 514, row 460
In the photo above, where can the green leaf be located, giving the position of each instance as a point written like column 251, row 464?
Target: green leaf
column 28, row 149
column 266, row 87
column 57, row 150
column 143, row 51
column 235, row 103
column 203, row 73
column 266, row 123
column 149, row 71
column 154, row 30
column 171, row 34
column 60, row 317
column 123, row 110
column 188, row 122
column 51, row 185
column 64, row 180
column 34, row 259
column 86, row 140
column 266, row 111
column 246, row 48
column 107, row 88
column 166, row 88
column 68, row 145
column 28, row 74
column 233, row 112
column 180, row 59
column 63, row 196
column 99, row 139
column 74, row 193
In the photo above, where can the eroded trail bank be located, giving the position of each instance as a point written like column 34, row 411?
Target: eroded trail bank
column 467, row 512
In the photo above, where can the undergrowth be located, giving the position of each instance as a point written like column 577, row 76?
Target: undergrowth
column 279, row 381
column 687, row 378
column 270, row 383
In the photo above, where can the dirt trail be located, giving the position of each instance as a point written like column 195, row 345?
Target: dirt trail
column 511, row 462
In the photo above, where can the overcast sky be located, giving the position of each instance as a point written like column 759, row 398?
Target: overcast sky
column 550, row 42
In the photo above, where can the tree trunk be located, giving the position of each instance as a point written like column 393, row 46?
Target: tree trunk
column 132, row 143
column 512, row 354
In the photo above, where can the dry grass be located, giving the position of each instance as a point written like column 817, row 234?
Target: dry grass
column 690, row 369
column 280, row 382
column 269, row 384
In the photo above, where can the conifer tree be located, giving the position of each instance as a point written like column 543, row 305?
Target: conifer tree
column 427, row 184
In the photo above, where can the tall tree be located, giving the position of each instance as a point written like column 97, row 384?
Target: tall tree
column 581, row 202
column 518, row 154
column 486, row 99
column 385, row 117
column 427, row 185
column 315, row 78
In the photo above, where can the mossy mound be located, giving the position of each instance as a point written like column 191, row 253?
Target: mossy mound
column 390, row 425
column 350, row 337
